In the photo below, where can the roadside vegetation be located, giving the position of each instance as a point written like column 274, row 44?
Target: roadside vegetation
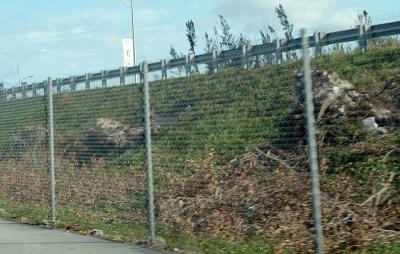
column 217, row 188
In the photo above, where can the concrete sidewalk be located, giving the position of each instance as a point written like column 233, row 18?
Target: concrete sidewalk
column 18, row 238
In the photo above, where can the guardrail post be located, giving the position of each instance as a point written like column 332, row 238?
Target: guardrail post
column 34, row 85
column 188, row 65
column 245, row 59
column 122, row 76
column 58, row 85
column 104, row 78
column 87, row 78
column 312, row 145
column 164, row 71
column 14, row 93
column 278, row 51
column 3, row 96
column 23, row 90
column 149, row 156
column 318, row 44
column 214, row 64
column 72, row 85
column 363, row 40
column 51, row 151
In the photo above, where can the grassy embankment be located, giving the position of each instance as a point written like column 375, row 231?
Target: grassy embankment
column 238, row 111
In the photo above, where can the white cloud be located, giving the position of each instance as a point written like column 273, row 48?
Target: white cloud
column 320, row 15
column 145, row 16
column 41, row 36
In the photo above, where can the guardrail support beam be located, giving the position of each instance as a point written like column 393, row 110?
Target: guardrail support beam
column 104, row 78
column 87, row 77
column 363, row 41
column 318, row 44
column 72, row 84
column 278, row 51
column 122, row 76
column 164, row 71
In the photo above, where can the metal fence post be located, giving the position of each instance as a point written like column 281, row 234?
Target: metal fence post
column 149, row 156
column 51, row 151
column 312, row 145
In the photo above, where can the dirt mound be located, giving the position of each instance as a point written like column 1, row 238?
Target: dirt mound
column 106, row 136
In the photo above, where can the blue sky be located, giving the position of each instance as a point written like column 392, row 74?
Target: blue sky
column 60, row 38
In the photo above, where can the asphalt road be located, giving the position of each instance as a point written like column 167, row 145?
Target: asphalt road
column 18, row 238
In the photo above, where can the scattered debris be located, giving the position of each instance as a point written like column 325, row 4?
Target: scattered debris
column 371, row 125
column 97, row 233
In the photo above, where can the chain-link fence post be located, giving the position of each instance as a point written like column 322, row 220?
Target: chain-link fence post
column 51, row 151
column 149, row 157
column 312, row 145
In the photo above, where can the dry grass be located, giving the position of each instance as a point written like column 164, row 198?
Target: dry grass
column 241, row 199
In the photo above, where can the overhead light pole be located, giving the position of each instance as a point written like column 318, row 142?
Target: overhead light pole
column 17, row 66
column 131, row 2
column 133, row 36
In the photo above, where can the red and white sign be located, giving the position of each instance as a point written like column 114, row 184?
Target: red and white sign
column 128, row 52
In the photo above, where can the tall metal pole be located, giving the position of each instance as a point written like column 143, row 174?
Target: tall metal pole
column 133, row 38
column 19, row 75
column 149, row 156
column 312, row 146
column 51, row 152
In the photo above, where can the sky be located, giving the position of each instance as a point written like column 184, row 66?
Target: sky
column 62, row 38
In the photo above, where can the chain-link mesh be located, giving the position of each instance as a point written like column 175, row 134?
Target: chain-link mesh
column 229, row 152
column 100, row 154
column 225, row 149
column 25, row 181
column 357, row 115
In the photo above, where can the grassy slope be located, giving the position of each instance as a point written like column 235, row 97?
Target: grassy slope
column 246, row 109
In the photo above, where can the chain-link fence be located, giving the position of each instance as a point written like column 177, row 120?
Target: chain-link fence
column 232, row 150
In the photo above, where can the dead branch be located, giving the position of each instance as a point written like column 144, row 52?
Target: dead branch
column 275, row 158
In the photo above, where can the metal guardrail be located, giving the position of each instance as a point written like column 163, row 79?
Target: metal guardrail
column 361, row 34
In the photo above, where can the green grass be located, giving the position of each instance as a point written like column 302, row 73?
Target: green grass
column 128, row 232
column 381, row 249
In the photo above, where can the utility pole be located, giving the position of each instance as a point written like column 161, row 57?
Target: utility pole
column 19, row 75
